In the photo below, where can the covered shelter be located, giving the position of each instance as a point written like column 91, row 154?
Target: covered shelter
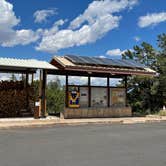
column 83, row 101
column 17, row 96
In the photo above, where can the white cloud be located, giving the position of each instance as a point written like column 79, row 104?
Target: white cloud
column 151, row 19
column 115, row 52
column 22, row 37
column 8, row 35
column 8, row 18
column 137, row 38
column 98, row 19
column 42, row 15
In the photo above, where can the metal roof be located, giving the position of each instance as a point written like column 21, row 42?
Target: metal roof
column 23, row 64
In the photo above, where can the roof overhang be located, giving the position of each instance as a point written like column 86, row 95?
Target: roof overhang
column 23, row 65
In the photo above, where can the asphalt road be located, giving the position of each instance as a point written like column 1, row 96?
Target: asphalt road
column 90, row 145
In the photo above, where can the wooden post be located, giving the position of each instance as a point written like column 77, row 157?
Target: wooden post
column 108, row 91
column 67, row 90
column 89, row 91
column 27, row 93
column 126, row 90
column 32, row 79
column 43, row 94
column 40, row 92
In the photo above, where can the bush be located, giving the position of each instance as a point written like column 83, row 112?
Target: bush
column 162, row 113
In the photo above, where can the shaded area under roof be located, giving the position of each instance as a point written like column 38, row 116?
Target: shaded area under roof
column 13, row 64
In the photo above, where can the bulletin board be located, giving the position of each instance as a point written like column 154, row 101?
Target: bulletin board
column 118, row 96
column 98, row 97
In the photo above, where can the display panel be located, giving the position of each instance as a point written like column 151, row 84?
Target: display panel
column 98, row 97
column 83, row 96
column 118, row 96
column 73, row 97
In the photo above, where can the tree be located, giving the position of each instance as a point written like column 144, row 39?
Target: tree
column 55, row 97
column 142, row 90
column 162, row 68
column 148, row 94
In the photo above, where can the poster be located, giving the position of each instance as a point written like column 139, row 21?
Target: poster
column 98, row 97
column 118, row 96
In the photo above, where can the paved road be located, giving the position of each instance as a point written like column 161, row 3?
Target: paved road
column 91, row 145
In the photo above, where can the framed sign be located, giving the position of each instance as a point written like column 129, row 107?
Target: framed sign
column 118, row 96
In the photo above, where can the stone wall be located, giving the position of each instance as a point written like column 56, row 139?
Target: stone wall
column 96, row 112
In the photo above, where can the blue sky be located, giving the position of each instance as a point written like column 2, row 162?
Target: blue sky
column 41, row 29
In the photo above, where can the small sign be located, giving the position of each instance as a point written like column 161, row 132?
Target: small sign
column 37, row 103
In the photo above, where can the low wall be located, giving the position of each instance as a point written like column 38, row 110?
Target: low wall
column 96, row 112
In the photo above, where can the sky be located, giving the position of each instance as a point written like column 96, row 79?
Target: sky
column 104, row 28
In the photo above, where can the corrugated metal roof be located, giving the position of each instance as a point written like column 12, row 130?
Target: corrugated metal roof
column 25, row 64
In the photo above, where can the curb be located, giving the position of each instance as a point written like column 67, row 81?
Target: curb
column 51, row 123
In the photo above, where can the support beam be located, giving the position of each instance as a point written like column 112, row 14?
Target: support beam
column 67, row 90
column 43, row 97
column 126, row 90
column 40, row 92
column 32, row 81
column 27, row 92
column 108, row 91
column 89, row 91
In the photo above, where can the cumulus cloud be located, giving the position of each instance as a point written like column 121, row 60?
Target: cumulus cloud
column 151, row 19
column 8, row 35
column 115, row 52
column 42, row 15
column 22, row 37
column 98, row 19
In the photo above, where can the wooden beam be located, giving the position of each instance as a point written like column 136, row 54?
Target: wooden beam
column 126, row 90
column 27, row 92
column 40, row 92
column 82, row 73
column 16, row 71
column 43, row 96
column 67, row 91
column 108, row 91
column 89, row 91
column 32, row 81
